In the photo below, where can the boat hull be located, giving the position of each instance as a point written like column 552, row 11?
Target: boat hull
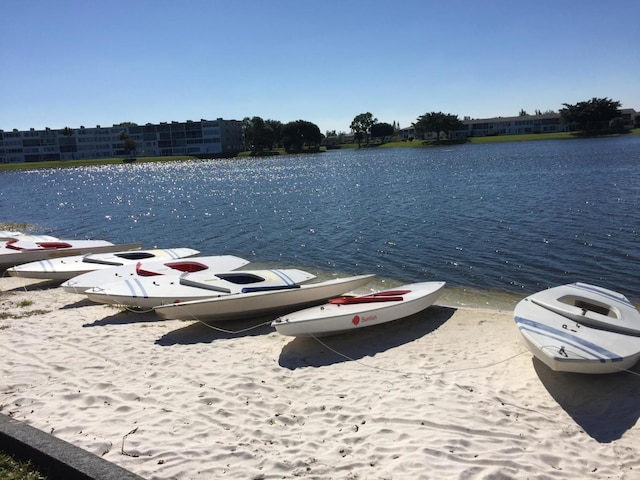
column 243, row 305
column 563, row 342
column 68, row 267
column 149, row 292
column 334, row 318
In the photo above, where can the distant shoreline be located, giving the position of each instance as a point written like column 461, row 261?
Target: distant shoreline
column 402, row 144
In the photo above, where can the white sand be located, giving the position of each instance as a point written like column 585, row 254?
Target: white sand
column 449, row 393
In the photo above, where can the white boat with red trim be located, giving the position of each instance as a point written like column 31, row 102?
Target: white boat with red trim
column 154, row 268
column 152, row 291
column 580, row 328
column 254, row 301
column 19, row 251
column 68, row 267
column 354, row 312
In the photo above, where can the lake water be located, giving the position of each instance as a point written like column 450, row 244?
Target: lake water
column 496, row 221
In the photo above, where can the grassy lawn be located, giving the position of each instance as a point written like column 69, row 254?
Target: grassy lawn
column 84, row 163
column 12, row 469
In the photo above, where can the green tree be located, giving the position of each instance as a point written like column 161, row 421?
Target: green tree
column 591, row 116
column 274, row 132
column 257, row 136
column 361, row 126
column 128, row 144
column 436, row 122
column 296, row 135
column 382, row 130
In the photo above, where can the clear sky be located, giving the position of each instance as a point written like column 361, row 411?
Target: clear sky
column 85, row 62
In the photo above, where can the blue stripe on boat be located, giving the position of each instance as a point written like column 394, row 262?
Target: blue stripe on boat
column 590, row 288
column 285, row 278
column 131, row 288
column 585, row 346
column 143, row 292
column 46, row 265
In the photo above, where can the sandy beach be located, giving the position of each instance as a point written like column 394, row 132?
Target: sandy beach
column 448, row 393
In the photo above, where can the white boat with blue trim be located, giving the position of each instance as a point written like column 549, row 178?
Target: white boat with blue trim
column 68, row 267
column 132, row 271
column 346, row 313
column 580, row 328
column 26, row 249
column 253, row 301
column 151, row 291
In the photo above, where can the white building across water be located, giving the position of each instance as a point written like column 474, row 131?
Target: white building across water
column 204, row 138
column 520, row 125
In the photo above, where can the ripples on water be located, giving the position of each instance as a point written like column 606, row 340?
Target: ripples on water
column 511, row 218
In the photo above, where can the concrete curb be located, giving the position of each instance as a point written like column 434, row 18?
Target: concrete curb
column 54, row 457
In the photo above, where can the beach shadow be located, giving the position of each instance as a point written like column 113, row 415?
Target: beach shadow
column 85, row 302
column 354, row 345
column 32, row 287
column 604, row 406
column 208, row 332
column 126, row 317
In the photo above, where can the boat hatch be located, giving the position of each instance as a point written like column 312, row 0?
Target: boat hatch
column 188, row 266
column 135, row 255
column 594, row 308
column 55, row 244
column 588, row 305
column 240, row 278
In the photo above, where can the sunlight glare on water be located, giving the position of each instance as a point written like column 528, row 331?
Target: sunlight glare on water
column 512, row 218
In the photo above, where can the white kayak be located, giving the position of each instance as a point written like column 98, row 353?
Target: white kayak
column 256, row 301
column 133, row 271
column 580, row 328
column 151, row 291
column 68, row 267
column 353, row 312
column 19, row 251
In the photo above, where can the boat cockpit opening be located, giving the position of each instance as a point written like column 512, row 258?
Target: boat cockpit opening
column 594, row 308
column 589, row 305
column 187, row 266
column 135, row 255
column 240, row 278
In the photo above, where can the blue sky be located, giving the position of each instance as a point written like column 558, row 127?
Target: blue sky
column 80, row 62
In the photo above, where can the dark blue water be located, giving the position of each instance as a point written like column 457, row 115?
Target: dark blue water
column 513, row 217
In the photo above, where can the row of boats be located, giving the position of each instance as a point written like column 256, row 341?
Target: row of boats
column 579, row 328
column 177, row 283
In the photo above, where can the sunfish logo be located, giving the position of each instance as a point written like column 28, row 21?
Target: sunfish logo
column 355, row 320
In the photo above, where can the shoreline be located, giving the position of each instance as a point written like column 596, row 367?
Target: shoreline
column 532, row 137
column 447, row 393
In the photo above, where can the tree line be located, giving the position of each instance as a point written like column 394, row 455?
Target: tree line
column 591, row 117
column 265, row 135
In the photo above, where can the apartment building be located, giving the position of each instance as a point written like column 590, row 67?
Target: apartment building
column 543, row 123
column 202, row 138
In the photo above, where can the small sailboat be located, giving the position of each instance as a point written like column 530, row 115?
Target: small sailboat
column 255, row 300
column 580, row 328
column 68, row 267
column 354, row 312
